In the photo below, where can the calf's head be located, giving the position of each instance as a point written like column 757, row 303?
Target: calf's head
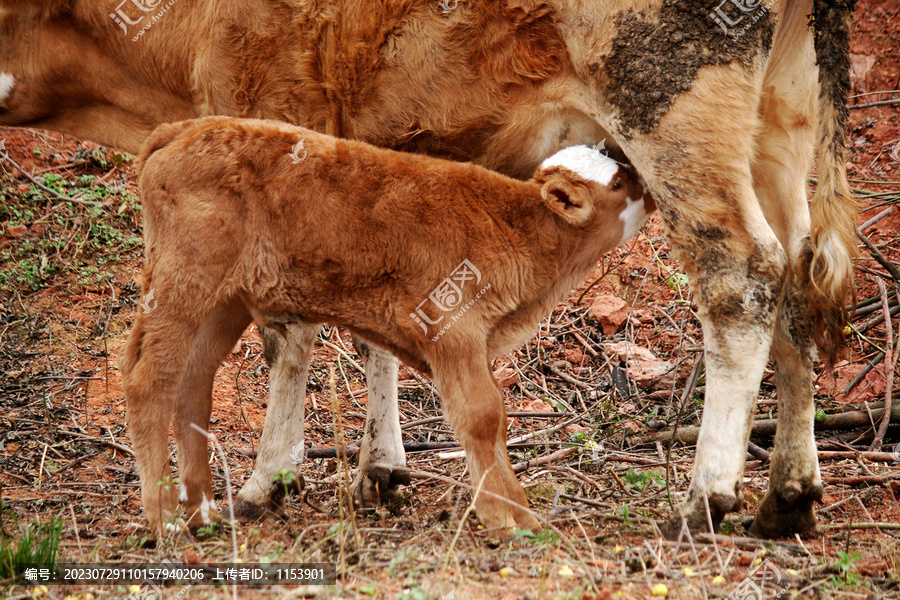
column 590, row 192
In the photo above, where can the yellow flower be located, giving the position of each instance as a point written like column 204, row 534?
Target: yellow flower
column 718, row 579
column 848, row 330
column 565, row 571
column 506, row 571
column 39, row 590
column 756, row 562
column 791, row 572
column 134, row 590
column 618, row 550
column 687, row 571
column 660, row 589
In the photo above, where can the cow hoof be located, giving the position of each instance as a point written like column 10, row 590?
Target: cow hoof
column 787, row 509
column 380, row 484
column 694, row 513
column 246, row 511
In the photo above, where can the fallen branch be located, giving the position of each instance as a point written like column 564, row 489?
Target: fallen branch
column 99, row 440
column 876, row 103
column 531, row 415
column 861, row 526
column 890, row 457
column 888, row 369
column 543, row 460
column 876, row 218
column 862, row 479
column 862, row 374
column 766, row 427
column 878, row 256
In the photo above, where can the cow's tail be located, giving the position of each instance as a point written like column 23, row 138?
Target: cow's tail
column 834, row 210
column 161, row 137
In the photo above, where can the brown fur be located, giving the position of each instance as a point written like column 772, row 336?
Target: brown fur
column 356, row 236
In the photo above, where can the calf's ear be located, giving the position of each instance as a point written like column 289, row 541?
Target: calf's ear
column 570, row 202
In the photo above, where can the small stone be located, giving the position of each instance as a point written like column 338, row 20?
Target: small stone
column 610, row 311
column 506, row 376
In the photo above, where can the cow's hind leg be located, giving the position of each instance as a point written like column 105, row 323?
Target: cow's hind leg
column 213, row 340
column 382, row 460
column 281, row 445
column 783, row 157
column 473, row 405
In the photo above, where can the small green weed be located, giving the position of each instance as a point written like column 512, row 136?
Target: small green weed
column 845, row 564
column 638, row 481
column 38, row 544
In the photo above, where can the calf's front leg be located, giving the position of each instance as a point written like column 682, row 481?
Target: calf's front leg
column 473, row 405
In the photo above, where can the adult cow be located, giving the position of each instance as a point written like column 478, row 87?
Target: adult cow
column 721, row 106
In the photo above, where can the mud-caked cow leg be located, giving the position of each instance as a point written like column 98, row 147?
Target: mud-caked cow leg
column 697, row 163
column 783, row 158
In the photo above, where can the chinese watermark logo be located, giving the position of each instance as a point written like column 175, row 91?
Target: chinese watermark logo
column 763, row 584
column 297, row 454
column 149, row 304
column 448, row 6
column 895, row 152
column 298, row 153
column 130, row 13
column 729, row 14
column 447, row 296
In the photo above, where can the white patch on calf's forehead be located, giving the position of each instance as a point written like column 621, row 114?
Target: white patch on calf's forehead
column 7, row 82
column 633, row 217
column 586, row 162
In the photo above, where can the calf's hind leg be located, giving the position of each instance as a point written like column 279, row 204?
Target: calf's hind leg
column 473, row 405
column 281, row 445
column 213, row 340
column 382, row 459
column 160, row 381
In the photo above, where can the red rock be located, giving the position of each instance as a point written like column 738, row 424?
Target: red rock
column 870, row 388
column 610, row 311
column 643, row 367
column 537, row 406
column 574, row 356
column 16, row 230
column 506, row 376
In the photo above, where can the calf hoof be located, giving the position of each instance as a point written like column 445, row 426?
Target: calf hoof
column 694, row 512
column 502, row 524
column 380, row 484
column 787, row 509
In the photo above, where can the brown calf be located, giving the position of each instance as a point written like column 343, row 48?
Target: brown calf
column 446, row 264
